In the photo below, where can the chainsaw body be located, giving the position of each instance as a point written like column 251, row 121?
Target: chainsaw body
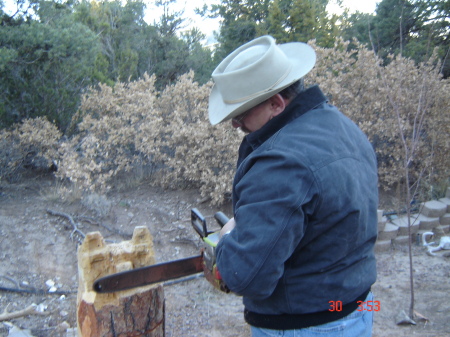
column 210, row 239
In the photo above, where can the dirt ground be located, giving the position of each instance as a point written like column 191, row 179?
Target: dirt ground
column 37, row 251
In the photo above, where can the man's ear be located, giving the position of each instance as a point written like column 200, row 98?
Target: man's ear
column 277, row 104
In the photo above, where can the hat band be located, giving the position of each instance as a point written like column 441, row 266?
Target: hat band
column 259, row 93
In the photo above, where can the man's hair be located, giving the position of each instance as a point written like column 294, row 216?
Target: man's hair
column 293, row 90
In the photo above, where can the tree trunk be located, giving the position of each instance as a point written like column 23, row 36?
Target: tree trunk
column 130, row 313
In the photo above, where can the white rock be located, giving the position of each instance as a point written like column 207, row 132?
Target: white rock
column 41, row 307
column 50, row 283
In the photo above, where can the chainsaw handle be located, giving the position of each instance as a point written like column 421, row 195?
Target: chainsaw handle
column 199, row 223
column 221, row 218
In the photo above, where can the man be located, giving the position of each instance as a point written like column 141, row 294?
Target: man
column 300, row 246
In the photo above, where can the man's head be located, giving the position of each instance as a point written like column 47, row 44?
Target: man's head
column 250, row 81
column 254, row 118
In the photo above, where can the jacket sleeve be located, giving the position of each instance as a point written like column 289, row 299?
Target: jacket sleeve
column 273, row 192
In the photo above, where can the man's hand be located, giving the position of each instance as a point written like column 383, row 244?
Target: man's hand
column 228, row 227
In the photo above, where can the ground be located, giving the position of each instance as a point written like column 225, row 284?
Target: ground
column 37, row 247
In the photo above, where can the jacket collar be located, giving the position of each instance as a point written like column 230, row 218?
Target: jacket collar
column 301, row 104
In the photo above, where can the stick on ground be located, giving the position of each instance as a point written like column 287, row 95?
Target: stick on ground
column 30, row 310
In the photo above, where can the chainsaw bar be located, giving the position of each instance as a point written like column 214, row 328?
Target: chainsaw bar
column 148, row 275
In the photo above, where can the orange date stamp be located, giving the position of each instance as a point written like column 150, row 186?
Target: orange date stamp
column 362, row 306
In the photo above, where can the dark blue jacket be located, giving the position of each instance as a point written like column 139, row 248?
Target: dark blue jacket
column 305, row 203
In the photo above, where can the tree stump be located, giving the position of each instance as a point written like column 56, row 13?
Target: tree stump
column 129, row 313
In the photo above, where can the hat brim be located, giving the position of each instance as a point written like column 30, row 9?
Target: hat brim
column 302, row 58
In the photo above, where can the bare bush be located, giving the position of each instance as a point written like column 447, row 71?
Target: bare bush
column 33, row 143
column 354, row 83
column 120, row 130
column 196, row 152
column 133, row 125
column 112, row 122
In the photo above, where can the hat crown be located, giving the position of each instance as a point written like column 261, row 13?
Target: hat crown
column 251, row 70
column 246, row 58
column 254, row 72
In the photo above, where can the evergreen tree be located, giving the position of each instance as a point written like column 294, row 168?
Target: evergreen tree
column 412, row 28
column 174, row 55
column 434, row 18
column 44, row 64
column 240, row 21
column 393, row 25
column 286, row 20
column 131, row 47
column 276, row 22
column 121, row 29
column 357, row 26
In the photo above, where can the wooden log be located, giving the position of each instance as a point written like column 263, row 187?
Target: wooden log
column 129, row 313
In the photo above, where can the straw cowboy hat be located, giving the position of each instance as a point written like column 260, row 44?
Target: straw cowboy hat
column 254, row 72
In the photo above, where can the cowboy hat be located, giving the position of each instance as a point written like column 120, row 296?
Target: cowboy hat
column 253, row 73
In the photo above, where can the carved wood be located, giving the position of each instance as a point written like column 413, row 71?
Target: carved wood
column 130, row 313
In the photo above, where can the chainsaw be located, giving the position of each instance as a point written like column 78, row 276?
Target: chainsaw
column 205, row 262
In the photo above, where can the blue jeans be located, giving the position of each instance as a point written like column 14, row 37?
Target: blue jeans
column 357, row 324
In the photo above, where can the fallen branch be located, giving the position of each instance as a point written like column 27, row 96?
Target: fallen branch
column 36, row 291
column 72, row 222
column 31, row 310
column 75, row 226
column 10, row 279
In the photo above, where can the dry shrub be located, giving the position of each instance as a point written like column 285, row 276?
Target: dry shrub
column 371, row 95
column 31, row 144
column 133, row 124
column 113, row 122
column 196, row 152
